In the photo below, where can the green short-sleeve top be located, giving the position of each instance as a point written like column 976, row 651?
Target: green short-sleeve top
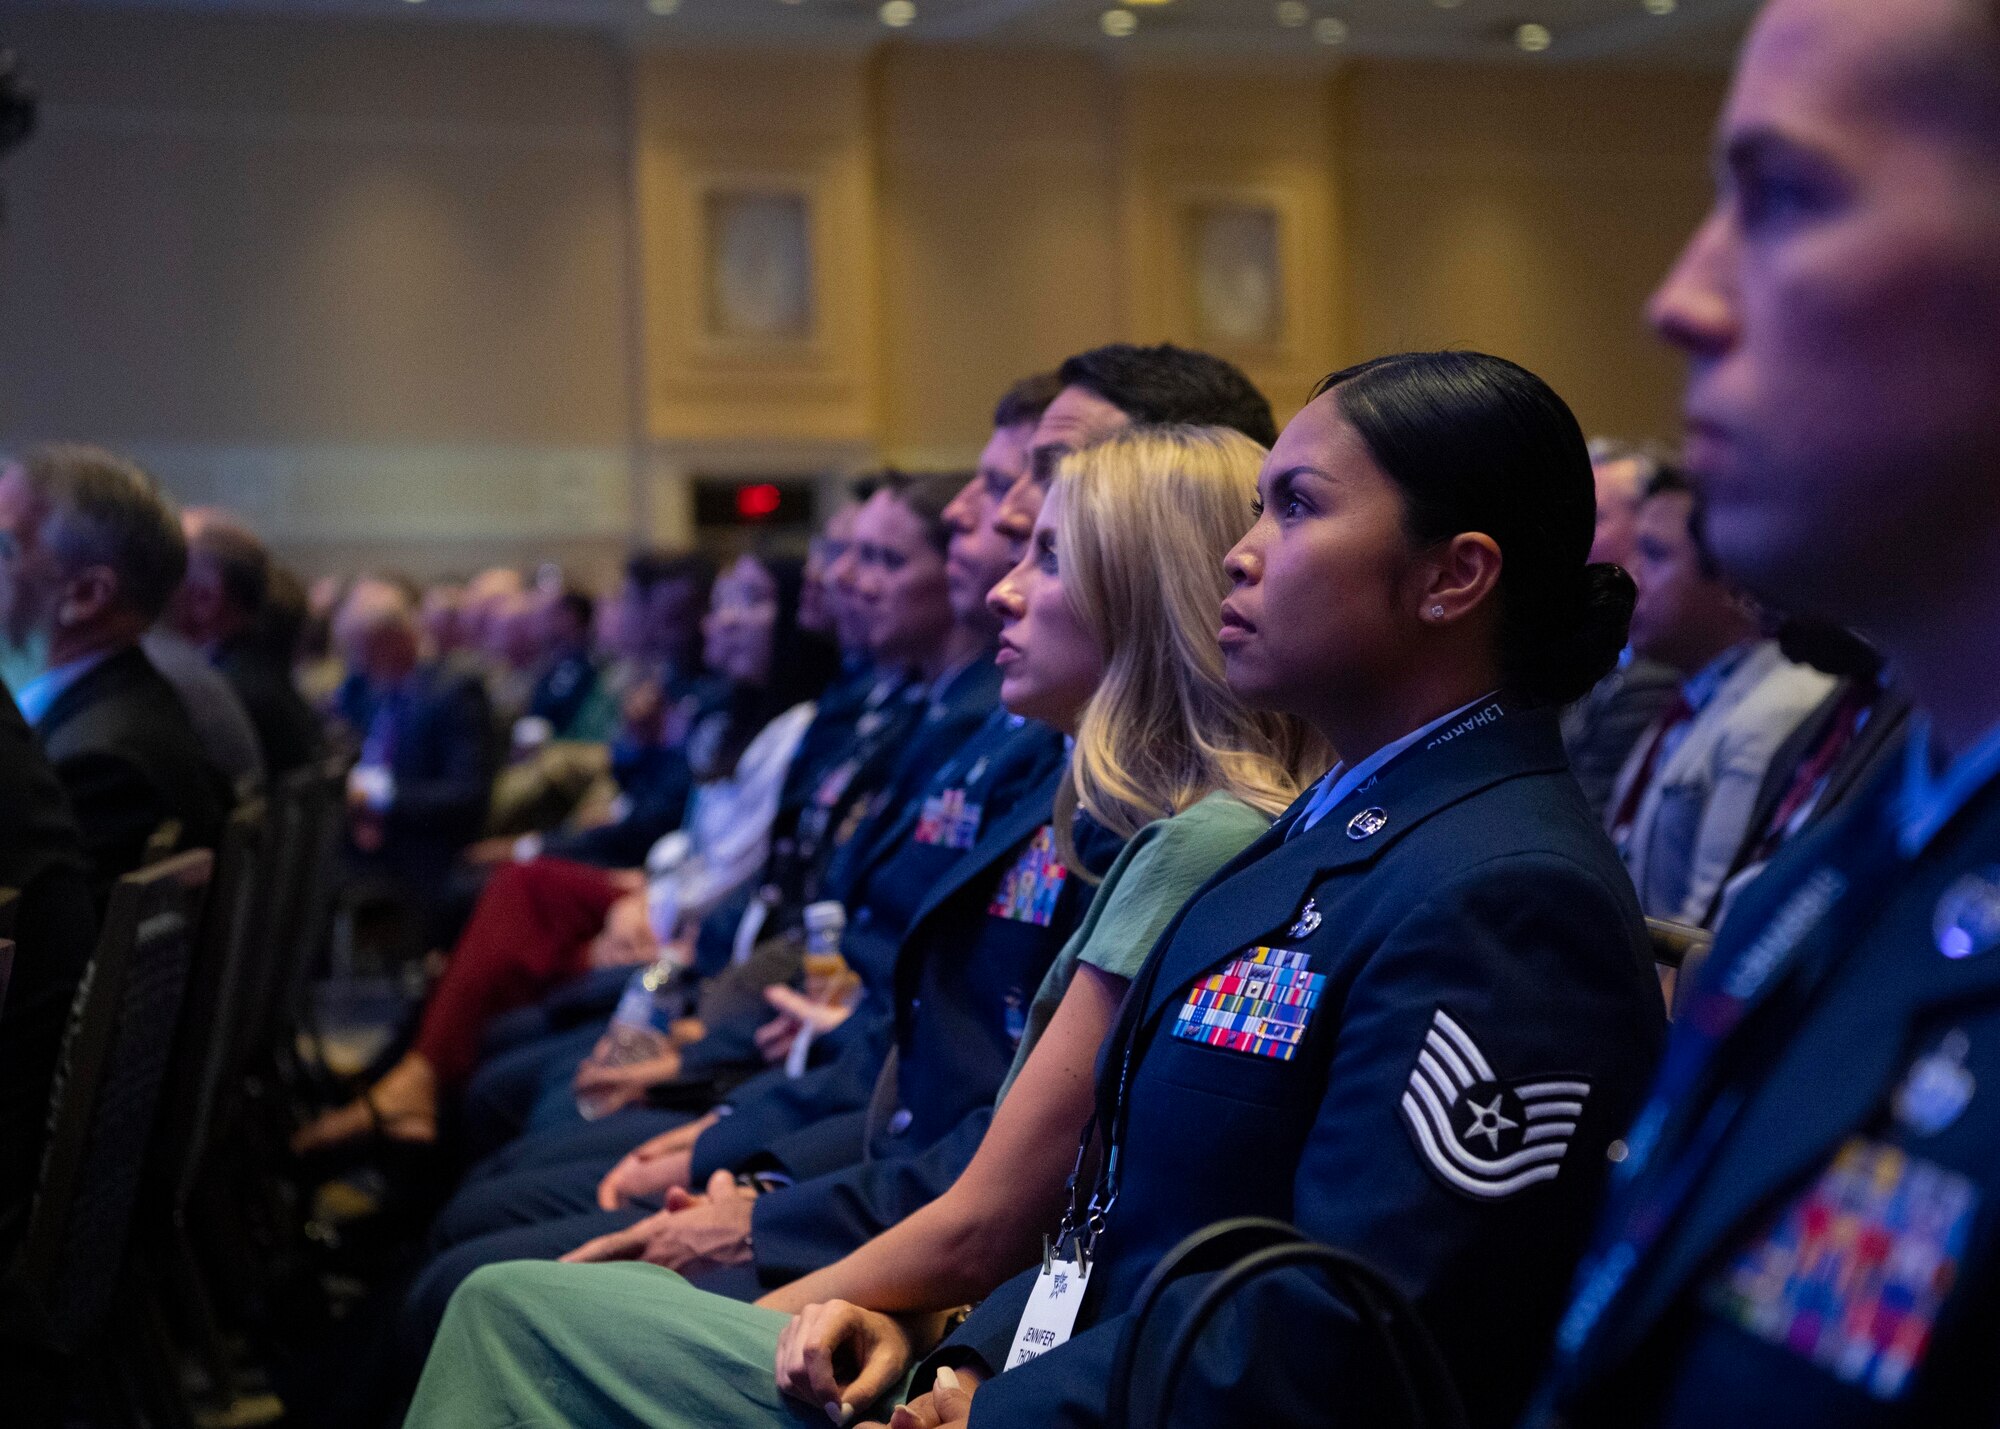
column 1157, row 872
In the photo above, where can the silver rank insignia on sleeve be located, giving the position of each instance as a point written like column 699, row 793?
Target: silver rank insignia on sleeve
column 1486, row 1137
column 1309, row 920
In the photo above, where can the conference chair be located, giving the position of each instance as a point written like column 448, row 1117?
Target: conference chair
column 59, row 1296
column 1679, row 949
column 234, row 936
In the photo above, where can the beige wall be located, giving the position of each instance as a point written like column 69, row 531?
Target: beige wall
column 368, row 281
column 429, row 293
column 1527, row 212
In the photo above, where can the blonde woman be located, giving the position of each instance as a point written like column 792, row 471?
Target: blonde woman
column 1110, row 633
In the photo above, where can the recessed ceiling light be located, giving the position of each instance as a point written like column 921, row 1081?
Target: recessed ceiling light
column 1330, row 30
column 1533, row 38
column 1661, row 7
column 1292, row 13
column 663, row 7
column 1119, row 23
column 898, row 13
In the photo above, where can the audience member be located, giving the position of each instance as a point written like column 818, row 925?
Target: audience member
column 1833, row 754
column 1407, row 559
column 565, row 692
column 93, row 555
column 1088, row 613
column 419, row 791
column 1800, row 1229
column 520, row 942
column 220, row 721
column 221, row 605
column 1600, row 729
column 1682, row 804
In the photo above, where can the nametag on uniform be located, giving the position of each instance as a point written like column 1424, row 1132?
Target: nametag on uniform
column 1854, row 1272
column 947, row 821
column 1260, row 1004
column 1028, row 892
column 1050, row 1317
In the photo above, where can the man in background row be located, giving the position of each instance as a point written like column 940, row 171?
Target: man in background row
column 1683, row 801
column 92, row 554
column 220, row 606
column 1600, row 729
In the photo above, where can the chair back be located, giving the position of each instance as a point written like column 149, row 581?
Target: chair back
column 302, row 937
column 60, row 1289
column 232, row 936
column 10, row 901
column 1679, row 949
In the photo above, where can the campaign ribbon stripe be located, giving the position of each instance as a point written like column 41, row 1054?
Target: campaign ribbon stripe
column 1260, row 1004
column 1853, row 1275
column 1028, row 892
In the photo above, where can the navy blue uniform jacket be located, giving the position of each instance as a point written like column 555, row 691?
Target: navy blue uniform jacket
column 925, row 891
column 1485, row 969
column 1833, row 1264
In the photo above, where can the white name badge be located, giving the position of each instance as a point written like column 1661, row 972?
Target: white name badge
column 1050, row 1318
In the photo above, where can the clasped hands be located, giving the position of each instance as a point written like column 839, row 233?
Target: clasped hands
column 842, row 1357
column 695, row 1231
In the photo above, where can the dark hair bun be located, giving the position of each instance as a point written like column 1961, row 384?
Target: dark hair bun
column 1581, row 641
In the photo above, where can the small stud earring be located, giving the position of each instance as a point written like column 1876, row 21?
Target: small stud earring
column 1437, row 612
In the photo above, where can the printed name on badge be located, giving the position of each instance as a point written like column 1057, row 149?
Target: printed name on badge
column 1050, row 1317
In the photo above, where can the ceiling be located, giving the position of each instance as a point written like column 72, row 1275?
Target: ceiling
column 1681, row 32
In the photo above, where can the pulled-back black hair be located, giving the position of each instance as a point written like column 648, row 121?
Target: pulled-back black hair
column 1477, row 443
column 1168, row 385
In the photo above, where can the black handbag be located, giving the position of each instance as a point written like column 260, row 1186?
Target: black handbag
column 1237, row 1252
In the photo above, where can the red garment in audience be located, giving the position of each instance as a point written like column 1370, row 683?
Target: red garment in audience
column 531, row 931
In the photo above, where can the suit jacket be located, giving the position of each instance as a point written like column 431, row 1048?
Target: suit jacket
column 1856, row 765
column 1694, row 812
column 964, row 978
column 1835, row 1260
column 288, row 731
column 213, row 708
column 1455, row 960
column 55, row 931
column 1004, row 782
column 1600, row 729
column 129, row 760
column 444, row 758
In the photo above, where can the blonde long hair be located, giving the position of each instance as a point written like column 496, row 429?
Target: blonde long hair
column 1145, row 521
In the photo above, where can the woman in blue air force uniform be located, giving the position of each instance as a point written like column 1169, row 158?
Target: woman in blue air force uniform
column 1413, row 1017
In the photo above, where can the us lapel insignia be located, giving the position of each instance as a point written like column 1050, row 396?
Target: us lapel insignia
column 1367, row 824
column 1937, row 1089
column 1967, row 921
column 1309, row 920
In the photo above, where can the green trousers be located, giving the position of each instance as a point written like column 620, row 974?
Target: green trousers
column 537, row 1344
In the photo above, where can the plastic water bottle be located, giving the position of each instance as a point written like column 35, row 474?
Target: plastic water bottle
column 826, row 972
column 639, row 1028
